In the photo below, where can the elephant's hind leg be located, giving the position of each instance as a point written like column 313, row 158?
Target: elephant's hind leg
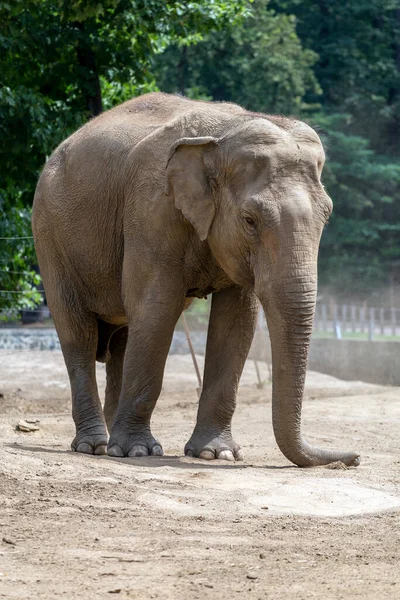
column 114, row 369
column 77, row 331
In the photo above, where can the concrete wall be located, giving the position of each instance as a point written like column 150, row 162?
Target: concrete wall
column 351, row 360
column 20, row 338
column 373, row 362
column 356, row 360
column 45, row 338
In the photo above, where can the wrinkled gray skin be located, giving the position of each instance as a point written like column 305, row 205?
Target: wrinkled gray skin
column 157, row 201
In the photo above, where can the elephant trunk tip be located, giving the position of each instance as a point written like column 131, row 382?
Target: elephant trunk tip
column 353, row 460
column 348, row 459
column 304, row 455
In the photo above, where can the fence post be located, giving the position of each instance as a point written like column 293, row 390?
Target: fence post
column 371, row 324
column 382, row 320
column 337, row 330
column 336, row 325
column 393, row 310
column 316, row 318
column 362, row 318
column 353, row 318
column 344, row 317
column 323, row 310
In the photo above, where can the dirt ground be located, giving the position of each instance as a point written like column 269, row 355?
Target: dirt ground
column 76, row 526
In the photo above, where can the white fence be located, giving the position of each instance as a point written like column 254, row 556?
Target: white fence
column 354, row 319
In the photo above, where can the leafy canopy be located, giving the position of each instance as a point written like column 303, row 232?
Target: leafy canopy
column 334, row 64
column 61, row 62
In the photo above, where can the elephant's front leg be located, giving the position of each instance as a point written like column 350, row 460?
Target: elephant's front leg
column 151, row 326
column 230, row 333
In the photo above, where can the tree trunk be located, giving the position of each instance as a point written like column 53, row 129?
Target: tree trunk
column 90, row 82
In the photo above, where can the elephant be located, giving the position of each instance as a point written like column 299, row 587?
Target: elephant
column 153, row 203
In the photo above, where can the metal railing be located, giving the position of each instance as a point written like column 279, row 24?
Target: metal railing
column 357, row 320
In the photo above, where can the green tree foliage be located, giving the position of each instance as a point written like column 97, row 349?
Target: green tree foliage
column 358, row 45
column 18, row 278
column 335, row 64
column 361, row 243
column 358, row 69
column 261, row 65
column 61, row 61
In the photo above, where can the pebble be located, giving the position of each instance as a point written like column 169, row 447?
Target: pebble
column 27, row 426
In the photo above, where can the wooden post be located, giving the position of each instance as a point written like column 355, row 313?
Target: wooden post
column 194, row 359
column 260, row 383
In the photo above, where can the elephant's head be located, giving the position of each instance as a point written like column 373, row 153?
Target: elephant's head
column 256, row 196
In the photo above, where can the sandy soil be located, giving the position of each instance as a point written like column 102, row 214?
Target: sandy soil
column 75, row 526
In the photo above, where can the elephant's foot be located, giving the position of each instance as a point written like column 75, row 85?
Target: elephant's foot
column 93, row 441
column 140, row 443
column 209, row 445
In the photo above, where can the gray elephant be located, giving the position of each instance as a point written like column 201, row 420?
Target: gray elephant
column 155, row 202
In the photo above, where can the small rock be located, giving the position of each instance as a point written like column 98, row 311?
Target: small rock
column 117, row 591
column 262, row 555
column 26, row 426
column 251, row 576
column 264, row 507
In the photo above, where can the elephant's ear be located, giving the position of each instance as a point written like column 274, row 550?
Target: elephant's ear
column 188, row 179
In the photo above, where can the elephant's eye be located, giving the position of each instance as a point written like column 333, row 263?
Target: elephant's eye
column 250, row 222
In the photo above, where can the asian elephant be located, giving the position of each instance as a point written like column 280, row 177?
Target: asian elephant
column 160, row 200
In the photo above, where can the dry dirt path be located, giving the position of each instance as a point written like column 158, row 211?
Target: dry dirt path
column 75, row 526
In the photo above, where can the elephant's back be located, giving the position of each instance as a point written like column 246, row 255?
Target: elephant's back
column 79, row 204
column 93, row 159
column 81, row 197
column 97, row 152
column 86, row 176
column 77, row 216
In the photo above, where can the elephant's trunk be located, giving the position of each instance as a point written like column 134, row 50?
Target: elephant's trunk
column 289, row 305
